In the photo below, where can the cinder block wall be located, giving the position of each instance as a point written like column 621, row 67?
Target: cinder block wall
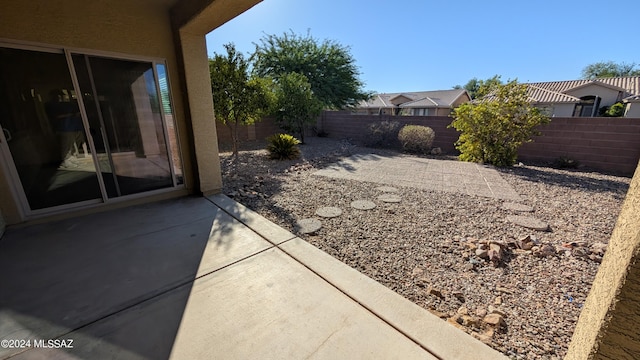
column 343, row 124
column 611, row 144
column 607, row 144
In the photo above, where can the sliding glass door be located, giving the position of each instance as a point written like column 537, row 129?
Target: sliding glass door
column 124, row 115
column 82, row 128
column 43, row 129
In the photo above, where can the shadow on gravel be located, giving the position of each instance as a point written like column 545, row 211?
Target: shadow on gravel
column 253, row 185
column 572, row 180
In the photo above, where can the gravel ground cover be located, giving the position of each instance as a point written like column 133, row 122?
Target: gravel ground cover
column 516, row 289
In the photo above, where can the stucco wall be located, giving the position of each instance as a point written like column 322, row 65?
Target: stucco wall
column 563, row 110
column 633, row 110
column 608, row 325
column 608, row 96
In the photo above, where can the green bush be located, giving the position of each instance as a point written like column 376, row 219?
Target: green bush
column 492, row 130
column 616, row 110
column 416, row 138
column 283, row 146
column 382, row 134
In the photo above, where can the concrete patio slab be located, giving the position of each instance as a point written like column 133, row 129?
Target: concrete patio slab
column 265, row 228
column 57, row 285
column 431, row 332
column 428, row 174
column 210, row 287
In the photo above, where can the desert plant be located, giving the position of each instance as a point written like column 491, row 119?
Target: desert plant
column 283, row 147
column 493, row 129
column 564, row 162
column 416, row 138
column 382, row 134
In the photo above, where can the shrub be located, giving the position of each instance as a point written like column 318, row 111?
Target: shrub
column 564, row 162
column 283, row 146
column 382, row 134
column 616, row 110
column 416, row 138
column 493, row 129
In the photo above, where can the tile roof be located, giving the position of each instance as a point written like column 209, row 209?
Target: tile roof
column 438, row 98
column 556, row 91
column 542, row 95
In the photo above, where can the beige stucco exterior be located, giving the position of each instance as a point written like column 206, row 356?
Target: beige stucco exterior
column 608, row 325
column 563, row 110
column 632, row 109
column 166, row 30
column 607, row 95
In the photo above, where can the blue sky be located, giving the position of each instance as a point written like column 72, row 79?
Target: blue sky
column 425, row 45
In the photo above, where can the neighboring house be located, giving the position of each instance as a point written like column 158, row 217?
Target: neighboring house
column 585, row 98
column 422, row 103
column 105, row 103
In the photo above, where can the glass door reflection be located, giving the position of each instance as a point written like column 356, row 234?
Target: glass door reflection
column 124, row 114
column 43, row 129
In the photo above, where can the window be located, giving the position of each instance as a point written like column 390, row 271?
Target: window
column 587, row 107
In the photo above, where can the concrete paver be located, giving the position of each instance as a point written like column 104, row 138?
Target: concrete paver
column 428, row 174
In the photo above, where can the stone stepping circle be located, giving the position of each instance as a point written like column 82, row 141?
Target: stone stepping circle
column 517, row 207
column 528, row 222
column 308, row 226
column 329, row 212
column 363, row 205
column 389, row 198
column 387, row 189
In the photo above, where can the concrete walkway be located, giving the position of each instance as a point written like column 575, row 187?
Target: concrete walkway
column 428, row 174
column 197, row 278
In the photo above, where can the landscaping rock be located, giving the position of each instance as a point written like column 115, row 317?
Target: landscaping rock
column 387, row 189
column 528, row 222
column 436, row 151
column 363, row 205
column 517, row 207
column 329, row 212
column 389, row 198
column 494, row 320
column 308, row 226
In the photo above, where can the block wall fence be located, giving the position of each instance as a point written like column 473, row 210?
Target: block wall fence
column 606, row 144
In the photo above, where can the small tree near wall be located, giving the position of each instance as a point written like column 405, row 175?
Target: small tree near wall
column 494, row 128
column 237, row 98
column 296, row 105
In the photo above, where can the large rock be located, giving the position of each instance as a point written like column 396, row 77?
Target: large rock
column 528, row 222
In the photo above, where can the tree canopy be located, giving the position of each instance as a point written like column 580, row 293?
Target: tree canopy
column 493, row 129
column 238, row 99
column 328, row 66
column 479, row 88
column 607, row 69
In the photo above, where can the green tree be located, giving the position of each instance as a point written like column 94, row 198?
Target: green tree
column 328, row 66
column 607, row 69
column 479, row 88
column 296, row 105
column 238, row 99
column 492, row 130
